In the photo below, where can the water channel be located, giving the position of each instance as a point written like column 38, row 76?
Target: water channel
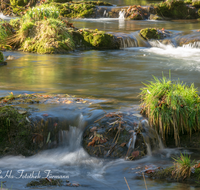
column 113, row 76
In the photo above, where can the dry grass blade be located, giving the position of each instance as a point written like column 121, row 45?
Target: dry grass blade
column 127, row 183
column 144, row 181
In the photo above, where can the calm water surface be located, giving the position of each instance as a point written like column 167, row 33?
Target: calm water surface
column 115, row 75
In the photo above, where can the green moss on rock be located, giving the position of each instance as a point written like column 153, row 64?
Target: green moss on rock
column 94, row 39
column 136, row 16
column 15, row 135
column 45, row 182
column 75, row 10
column 150, row 33
column 175, row 9
column 1, row 57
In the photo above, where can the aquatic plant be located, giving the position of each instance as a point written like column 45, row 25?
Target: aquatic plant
column 6, row 31
column 182, row 166
column 46, row 36
column 196, row 4
column 75, row 10
column 15, row 23
column 188, row 1
column 171, row 106
column 42, row 12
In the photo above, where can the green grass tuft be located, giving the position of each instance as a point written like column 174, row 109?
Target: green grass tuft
column 182, row 166
column 172, row 107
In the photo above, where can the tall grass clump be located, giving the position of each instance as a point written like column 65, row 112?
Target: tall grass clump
column 42, row 12
column 6, row 31
column 42, row 31
column 172, row 107
column 182, row 166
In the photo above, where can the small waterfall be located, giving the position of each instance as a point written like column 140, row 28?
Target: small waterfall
column 192, row 45
column 71, row 139
column 132, row 140
column 122, row 14
column 127, row 41
column 105, row 14
column 151, row 137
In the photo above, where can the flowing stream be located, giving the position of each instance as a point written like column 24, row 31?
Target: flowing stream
column 112, row 76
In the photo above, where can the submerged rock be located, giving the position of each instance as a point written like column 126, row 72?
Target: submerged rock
column 155, row 17
column 192, row 39
column 21, row 133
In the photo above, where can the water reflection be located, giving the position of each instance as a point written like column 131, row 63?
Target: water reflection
column 116, row 25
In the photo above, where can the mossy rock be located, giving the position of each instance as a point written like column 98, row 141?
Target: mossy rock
column 94, row 39
column 136, row 16
column 175, row 9
column 98, row 3
column 75, row 10
column 155, row 17
column 198, row 12
column 45, row 182
column 15, row 132
column 150, row 33
column 1, row 57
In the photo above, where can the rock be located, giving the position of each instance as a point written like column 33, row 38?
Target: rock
column 10, row 57
column 112, row 136
column 1, row 57
column 154, row 33
column 3, row 63
column 192, row 39
column 155, row 17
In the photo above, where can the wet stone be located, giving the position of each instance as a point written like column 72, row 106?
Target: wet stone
column 111, row 139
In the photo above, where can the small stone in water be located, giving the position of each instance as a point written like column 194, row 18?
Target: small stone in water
column 22, row 112
column 75, row 184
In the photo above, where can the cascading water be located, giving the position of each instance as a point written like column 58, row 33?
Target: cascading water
column 71, row 139
column 192, row 45
column 122, row 14
column 105, row 14
column 151, row 137
column 127, row 41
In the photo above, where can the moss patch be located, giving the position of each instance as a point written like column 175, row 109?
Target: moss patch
column 1, row 57
column 175, row 9
column 150, row 33
column 45, row 182
column 75, row 10
column 15, row 131
column 94, row 39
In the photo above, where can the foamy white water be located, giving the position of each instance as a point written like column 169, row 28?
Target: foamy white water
column 187, row 52
column 6, row 17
